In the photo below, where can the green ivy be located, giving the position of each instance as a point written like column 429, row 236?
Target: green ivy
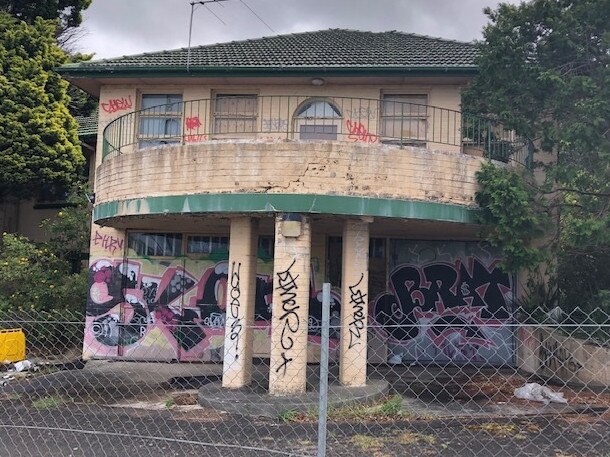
column 511, row 217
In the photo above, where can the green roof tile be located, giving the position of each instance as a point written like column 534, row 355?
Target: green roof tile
column 87, row 125
column 331, row 50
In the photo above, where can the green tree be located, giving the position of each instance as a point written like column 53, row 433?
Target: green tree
column 545, row 72
column 39, row 148
column 67, row 11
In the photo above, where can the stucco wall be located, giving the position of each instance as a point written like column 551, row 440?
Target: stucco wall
column 290, row 167
column 549, row 354
column 120, row 99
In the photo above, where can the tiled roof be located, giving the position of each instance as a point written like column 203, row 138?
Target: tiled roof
column 87, row 125
column 328, row 49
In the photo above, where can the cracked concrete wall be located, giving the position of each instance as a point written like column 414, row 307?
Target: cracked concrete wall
column 323, row 168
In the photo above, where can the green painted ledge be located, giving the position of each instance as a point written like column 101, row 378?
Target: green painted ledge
column 280, row 203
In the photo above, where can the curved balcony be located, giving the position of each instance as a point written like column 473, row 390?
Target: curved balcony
column 305, row 118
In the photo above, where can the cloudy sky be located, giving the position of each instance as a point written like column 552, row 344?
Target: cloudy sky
column 122, row 27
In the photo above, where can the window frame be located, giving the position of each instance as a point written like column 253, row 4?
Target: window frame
column 142, row 114
column 327, row 121
column 233, row 117
column 421, row 140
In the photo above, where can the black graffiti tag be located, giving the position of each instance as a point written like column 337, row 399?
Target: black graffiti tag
column 554, row 356
column 289, row 320
column 356, row 325
column 234, row 294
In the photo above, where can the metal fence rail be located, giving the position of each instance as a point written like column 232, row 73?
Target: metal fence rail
column 553, row 399
column 296, row 117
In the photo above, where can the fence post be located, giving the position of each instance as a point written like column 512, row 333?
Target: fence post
column 323, row 402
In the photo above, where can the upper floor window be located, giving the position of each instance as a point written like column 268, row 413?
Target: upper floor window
column 404, row 117
column 160, row 119
column 317, row 120
column 235, row 113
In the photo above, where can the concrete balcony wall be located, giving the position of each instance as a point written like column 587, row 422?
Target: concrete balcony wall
column 325, row 168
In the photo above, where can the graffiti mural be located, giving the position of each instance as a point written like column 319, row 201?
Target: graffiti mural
column 146, row 309
column 447, row 301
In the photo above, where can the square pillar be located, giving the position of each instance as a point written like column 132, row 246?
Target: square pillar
column 241, row 296
column 290, row 314
column 354, row 304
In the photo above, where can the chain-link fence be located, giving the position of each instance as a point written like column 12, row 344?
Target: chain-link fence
column 430, row 390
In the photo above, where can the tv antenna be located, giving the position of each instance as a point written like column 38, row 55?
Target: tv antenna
column 204, row 3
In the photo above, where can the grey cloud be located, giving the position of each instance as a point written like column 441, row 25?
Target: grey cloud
column 119, row 27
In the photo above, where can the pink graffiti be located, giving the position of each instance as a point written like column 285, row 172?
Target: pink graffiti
column 195, row 138
column 359, row 133
column 192, row 123
column 117, row 104
column 108, row 242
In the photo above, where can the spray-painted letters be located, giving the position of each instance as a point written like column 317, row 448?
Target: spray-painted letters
column 108, row 242
column 289, row 320
column 358, row 132
column 117, row 104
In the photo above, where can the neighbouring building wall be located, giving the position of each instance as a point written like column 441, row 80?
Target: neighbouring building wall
column 551, row 355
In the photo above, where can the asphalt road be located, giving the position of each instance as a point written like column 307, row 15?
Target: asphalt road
column 91, row 430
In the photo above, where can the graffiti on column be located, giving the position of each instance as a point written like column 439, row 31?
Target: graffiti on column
column 289, row 320
column 452, row 310
column 356, row 323
column 234, row 305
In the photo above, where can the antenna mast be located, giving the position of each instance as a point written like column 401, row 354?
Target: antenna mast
column 204, row 3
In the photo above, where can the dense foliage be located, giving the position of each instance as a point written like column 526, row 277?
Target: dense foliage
column 34, row 278
column 67, row 11
column 40, row 153
column 545, row 72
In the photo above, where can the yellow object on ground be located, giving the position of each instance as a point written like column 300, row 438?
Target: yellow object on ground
column 12, row 345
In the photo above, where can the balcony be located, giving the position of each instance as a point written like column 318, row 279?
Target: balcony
column 273, row 118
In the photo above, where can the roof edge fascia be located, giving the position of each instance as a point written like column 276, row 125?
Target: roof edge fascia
column 70, row 72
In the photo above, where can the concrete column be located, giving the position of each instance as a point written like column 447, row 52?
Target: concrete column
column 290, row 315
column 241, row 295
column 354, row 300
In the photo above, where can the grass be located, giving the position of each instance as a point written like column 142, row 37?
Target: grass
column 169, row 403
column 48, row 402
column 386, row 409
column 375, row 444
column 289, row 415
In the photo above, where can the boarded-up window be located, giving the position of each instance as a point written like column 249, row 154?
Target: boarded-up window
column 235, row 113
column 404, row 117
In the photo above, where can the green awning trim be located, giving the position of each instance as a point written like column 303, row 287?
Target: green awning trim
column 279, row 203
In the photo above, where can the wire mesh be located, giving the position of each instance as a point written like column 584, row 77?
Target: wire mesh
column 550, row 398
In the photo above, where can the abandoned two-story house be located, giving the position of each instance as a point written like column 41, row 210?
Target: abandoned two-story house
column 233, row 179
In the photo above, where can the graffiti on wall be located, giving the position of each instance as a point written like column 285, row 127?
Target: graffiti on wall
column 556, row 358
column 117, row 104
column 449, row 309
column 275, row 124
column 153, row 309
column 108, row 242
column 358, row 133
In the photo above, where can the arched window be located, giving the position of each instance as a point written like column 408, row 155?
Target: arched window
column 317, row 119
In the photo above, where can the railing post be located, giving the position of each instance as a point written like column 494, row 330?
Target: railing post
column 402, row 120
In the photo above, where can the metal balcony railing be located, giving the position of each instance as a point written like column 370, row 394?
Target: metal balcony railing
column 388, row 121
